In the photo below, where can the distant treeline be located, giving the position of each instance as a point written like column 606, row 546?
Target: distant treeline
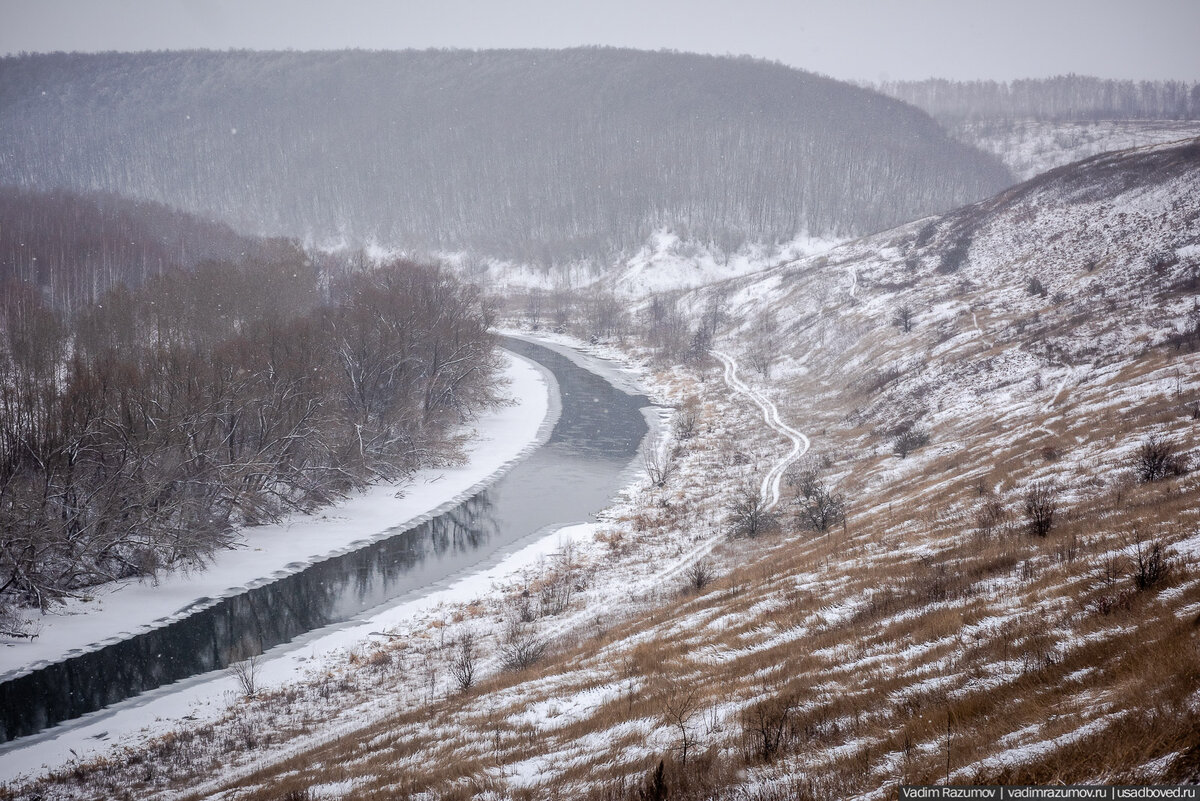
column 541, row 156
column 1059, row 99
column 74, row 248
column 137, row 431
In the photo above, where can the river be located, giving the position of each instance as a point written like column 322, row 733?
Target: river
column 568, row 479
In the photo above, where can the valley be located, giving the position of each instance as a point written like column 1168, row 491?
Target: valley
column 920, row 503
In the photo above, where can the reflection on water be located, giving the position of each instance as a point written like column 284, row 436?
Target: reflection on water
column 571, row 477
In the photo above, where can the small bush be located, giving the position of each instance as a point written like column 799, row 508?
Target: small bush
column 990, row 516
column 1157, row 459
column 699, row 574
column 659, row 466
column 297, row 795
column 1041, row 504
column 766, row 727
column 1034, row 286
column 522, row 649
column 246, row 674
column 908, row 440
column 654, row 787
column 1152, row 564
column 819, row 509
column 956, row 256
column 462, row 667
column 684, row 426
column 1107, row 604
column 747, row 513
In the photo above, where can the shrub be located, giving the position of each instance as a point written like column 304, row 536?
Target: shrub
column 1157, row 459
column 699, row 574
column 1041, row 503
column 685, row 422
column 555, row 592
column 522, row 648
column 956, row 256
column 659, row 466
column 819, row 509
column 990, row 516
column 766, row 728
column 245, row 673
column 654, row 787
column 908, row 439
column 1151, row 564
column 462, row 667
column 747, row 513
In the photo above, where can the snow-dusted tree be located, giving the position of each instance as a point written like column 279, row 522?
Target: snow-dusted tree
column 747, row 514
column 762, row 347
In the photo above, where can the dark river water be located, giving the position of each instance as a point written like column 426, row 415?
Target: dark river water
column 568, row 479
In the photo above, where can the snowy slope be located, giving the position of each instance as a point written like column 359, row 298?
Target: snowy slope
column 932, row 636
column 1031, row 147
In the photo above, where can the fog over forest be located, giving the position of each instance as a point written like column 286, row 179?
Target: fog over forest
column 538, row 156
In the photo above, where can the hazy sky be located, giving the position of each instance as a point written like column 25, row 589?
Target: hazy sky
column 852, row 39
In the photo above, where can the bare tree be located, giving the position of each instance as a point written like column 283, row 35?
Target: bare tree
column 747, row 513
column 659, row 466
column 762, row 349
column 534, row 301
column 903, row 318
column 462, row 666
column 678, row 705
column 908, row 438
column 246, row 674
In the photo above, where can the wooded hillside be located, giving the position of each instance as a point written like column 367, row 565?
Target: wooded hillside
column 542, row 156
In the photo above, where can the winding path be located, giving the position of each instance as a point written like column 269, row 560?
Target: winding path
column 800, row 443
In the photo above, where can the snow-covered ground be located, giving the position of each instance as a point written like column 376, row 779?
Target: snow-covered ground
column 265, row 553
column 509, row 433
column 1029, row 147
column 620, row 575
column 861, row 637
column 206, row 697
column 666, row 262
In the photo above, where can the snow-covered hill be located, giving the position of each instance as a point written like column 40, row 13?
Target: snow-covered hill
column 1009, row 598
column 1031, row 147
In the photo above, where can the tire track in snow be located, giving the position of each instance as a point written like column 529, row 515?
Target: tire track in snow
column 800, row 443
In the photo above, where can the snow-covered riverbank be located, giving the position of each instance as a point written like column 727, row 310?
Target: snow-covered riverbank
column 267, row 552
column 502, row 438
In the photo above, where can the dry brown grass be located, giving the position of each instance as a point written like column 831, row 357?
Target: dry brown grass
column 932, row 635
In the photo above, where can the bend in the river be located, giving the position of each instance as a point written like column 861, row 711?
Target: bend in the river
column 568, row 479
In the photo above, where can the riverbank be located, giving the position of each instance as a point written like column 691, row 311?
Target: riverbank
column 263, row 554
column 203, row 700
column 394, row 669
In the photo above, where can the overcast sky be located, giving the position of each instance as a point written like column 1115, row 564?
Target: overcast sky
column 850, row 39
